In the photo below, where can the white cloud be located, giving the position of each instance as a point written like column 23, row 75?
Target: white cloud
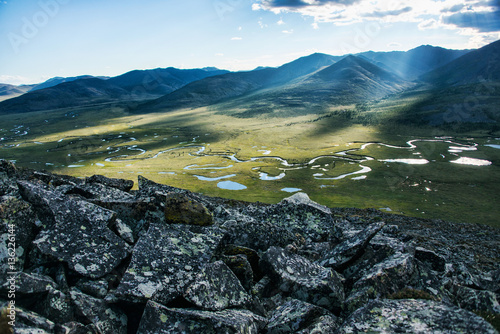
column 394, row 45
column 427, row 13
column 315, row 25
column 428, row 24
column 479, row 40
column 280, row 22
column 236, row 38
column 262, row 25
column 16, row 80
column 288, row 31
column 219, row 54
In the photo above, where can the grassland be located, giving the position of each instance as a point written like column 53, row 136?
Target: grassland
column 160, row 146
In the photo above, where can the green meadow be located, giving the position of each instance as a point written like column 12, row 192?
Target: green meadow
column 323, row 154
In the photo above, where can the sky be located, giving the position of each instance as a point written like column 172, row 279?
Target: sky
column 41, row 39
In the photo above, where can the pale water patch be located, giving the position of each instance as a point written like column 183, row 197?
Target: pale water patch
column 209, row 166
column 76, row 166
column 364, row 170
column 230, row 185
column 266, row 177
column 362, row 177
column 210, row 179
column 471, row 162
column 493, row 146
column 99, row 164
column 291, row 190
column 460, row 149
column 408, row 161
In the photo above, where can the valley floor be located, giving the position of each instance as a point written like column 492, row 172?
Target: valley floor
column 416, row 171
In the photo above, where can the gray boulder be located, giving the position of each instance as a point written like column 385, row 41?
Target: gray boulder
column 80, row 235
column 28, row 284
column 17, row 227
column 166, row 261
column 28, row 322
column 299, row 216
column 413, row 316
column 107, row 319
column 242, row 268
column 383, row 279
column 56, row 306
column 217, row 288
column 180, row 209
column 475, row 300
column 435, row 261
column 299, row 278
column 121, row 184
column 257, row 235
column 158, row 319
column 350, row 249
column 296, row 315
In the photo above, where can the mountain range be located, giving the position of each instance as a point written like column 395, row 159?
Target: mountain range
column 308, row 84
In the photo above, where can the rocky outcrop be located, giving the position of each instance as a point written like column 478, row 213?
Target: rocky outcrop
column 93, row 256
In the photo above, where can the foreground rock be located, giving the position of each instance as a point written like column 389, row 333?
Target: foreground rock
column 299, row 278
column 413, row 316
column 93, row 256
column 159, row 319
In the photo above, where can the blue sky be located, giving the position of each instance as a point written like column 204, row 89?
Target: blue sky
column 40, row 39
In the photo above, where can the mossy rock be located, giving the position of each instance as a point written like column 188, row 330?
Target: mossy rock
column 180, row 209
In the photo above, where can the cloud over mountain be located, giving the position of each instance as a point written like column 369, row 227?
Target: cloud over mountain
column 481, row 21
column 481, row 16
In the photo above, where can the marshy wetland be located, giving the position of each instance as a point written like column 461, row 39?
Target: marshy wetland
column 423, row 174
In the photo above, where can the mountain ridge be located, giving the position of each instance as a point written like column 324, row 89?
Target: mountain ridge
column 310, row 81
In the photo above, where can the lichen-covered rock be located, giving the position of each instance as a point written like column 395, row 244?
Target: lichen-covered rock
column 303, row 199
column 17, row 230
column 74, row 327
column 435, row 261
column 28, row 284
column 158, row 319
column 217, row 288
column 98, row 289
column 166, row 261
column 124, row 231
column 295, row 315
column 180, row 209
column 27, row 321
column 298, row 215
column 475, row 300
column 323, row 324
column 299, row 278
column 413, row 316
column 242, row 268
column 250, row 254
column 121, row 184
column 80, row 235
column 8, row 168
column 56, row 306
column 379, row 248
column 381, row 280
column 257, row 235
column 106, row 196
column 350, row 249
column 8, row 176
column 107, row 319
